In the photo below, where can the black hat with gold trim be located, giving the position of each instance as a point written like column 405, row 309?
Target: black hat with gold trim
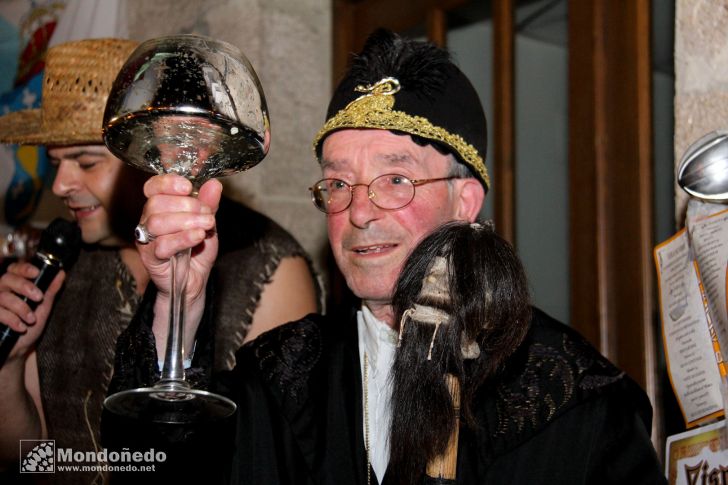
column 412, row 87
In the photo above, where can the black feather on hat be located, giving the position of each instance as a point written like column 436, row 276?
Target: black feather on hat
column 410, row 86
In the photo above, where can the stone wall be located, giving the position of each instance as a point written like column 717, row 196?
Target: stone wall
column 701, row 76
column 289, row 44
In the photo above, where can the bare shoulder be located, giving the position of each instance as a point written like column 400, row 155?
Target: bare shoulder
column 289, row 295
column 32, row 386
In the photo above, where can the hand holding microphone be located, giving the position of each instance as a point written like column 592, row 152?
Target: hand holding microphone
column 59, row 246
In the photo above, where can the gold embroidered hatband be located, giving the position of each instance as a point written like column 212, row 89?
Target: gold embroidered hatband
column 374, row 110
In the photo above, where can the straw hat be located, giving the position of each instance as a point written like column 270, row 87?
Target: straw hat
column 77, row 80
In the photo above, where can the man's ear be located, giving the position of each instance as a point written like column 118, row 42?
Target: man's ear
column 470, row 198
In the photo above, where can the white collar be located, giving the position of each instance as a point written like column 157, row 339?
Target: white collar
column 375, row 336
column 379, row 342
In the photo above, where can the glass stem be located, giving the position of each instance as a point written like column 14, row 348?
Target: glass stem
column 174, row 357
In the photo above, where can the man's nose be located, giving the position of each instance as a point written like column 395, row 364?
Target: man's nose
column 362, row 210
column 66, row 180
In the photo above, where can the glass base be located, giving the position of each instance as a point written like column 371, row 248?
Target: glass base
column 170, row 404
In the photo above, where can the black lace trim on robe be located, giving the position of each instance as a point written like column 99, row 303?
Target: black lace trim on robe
column 287, row 355
column 554, row 370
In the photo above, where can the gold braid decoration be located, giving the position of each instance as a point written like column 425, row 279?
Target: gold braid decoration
column 374, row 110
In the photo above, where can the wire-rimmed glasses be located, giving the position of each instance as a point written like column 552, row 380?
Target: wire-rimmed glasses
column 389, row 191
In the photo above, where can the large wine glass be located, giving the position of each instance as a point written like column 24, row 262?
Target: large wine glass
column 192, row 106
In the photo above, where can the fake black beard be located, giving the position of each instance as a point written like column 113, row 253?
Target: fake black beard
column 422, row 413
column 488, row 302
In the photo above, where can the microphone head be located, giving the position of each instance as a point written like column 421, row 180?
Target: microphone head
column 62, row 240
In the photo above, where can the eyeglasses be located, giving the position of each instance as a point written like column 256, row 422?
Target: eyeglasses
column 390, row 191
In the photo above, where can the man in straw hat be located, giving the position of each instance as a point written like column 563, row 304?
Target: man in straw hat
column 402, row 152
column 55, row 379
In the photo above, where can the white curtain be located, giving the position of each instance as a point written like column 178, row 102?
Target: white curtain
column 91, row 19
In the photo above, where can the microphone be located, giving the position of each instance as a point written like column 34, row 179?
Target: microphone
column 58, row 248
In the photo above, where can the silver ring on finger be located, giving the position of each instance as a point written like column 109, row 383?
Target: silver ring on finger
column 142, row 234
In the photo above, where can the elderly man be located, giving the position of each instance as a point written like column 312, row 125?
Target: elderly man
column 402, row 152
column 56, row 377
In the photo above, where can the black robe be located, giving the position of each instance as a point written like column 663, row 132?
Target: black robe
column 558, row 413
